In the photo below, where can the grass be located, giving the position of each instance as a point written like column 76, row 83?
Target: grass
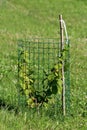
column 10, row 121
column 24, row 19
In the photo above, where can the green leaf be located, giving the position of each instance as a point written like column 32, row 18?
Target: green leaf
column 60, row 82
column 54, row 89
column 51, row 77
column 27, row 92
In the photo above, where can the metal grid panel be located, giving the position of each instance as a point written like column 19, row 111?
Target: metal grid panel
column 41, row 55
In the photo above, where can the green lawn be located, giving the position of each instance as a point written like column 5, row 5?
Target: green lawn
column 25, row 19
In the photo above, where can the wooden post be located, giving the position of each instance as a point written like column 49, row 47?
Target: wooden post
column 62, row 70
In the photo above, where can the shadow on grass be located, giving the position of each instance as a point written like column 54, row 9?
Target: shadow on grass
column 9, row 107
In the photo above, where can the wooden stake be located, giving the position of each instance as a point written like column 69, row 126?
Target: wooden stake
column 61, row 33
column 62, row 71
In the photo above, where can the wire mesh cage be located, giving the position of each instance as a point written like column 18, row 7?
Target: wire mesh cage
column 40, row 75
